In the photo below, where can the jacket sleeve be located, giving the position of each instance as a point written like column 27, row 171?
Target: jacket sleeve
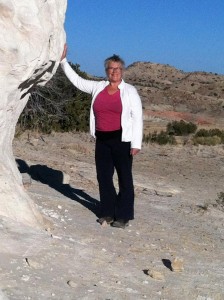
column 137, row 119
column 84, row 85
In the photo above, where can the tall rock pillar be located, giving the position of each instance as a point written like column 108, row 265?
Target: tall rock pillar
column 31, row 42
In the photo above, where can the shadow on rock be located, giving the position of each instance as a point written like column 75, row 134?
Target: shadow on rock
column 54, row 178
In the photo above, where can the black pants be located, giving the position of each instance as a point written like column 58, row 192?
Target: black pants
column 112, row 154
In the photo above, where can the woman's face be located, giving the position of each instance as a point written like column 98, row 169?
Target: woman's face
column 114, row 72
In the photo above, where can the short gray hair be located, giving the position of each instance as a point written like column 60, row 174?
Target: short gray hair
column 113, row 58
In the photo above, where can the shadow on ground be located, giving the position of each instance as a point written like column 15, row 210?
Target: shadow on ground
column 54, row 179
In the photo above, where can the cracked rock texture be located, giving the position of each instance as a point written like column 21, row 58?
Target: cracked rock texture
column 31, row 43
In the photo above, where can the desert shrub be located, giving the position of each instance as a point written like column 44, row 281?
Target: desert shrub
column 210, row 133
column 181, row 128
column 217, row 132
column 146, row 138
column 164, row 138
column 161, row 138
column 207, row 140
column 202, row 133
column 57, row 106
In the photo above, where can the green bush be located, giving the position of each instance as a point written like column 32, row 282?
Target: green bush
column 202, row 133
column 216, row 134
column 161, row 138
column 181, row 128
column 207, row 140
column 57, row 106
column 210, row 137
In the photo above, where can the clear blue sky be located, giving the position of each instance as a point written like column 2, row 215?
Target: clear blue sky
column 186, row 34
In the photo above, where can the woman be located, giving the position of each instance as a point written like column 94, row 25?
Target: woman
column 116, row 123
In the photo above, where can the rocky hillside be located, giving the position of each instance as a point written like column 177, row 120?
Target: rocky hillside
column 171, row 94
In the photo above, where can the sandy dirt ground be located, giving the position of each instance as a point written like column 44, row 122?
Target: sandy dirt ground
column 173, row 249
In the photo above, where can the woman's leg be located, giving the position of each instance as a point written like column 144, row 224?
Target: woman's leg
column 105, row 171
column 123, row 164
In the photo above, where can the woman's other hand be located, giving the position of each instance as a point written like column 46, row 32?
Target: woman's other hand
column 64, row 53
column 134, row 151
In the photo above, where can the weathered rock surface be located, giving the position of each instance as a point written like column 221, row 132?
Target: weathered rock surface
column 83, row 260
column 31, row 43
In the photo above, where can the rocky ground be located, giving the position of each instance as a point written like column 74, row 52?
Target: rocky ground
column 172, row 250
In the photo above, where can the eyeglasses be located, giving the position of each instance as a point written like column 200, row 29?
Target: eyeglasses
column 114, row 69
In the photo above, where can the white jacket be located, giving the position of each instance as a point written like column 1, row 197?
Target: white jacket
column 131, row 116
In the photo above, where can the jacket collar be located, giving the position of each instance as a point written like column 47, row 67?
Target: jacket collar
column 120, row 86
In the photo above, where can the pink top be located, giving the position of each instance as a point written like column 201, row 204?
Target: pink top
column 107, row 110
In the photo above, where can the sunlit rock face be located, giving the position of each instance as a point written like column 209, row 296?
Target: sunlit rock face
column 31, row 42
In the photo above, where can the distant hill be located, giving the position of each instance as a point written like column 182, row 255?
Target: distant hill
column 171, row 94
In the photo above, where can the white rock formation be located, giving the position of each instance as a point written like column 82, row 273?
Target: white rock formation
column 31, row 42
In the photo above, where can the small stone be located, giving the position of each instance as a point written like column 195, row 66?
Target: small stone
column 155, row 274
column 163, row 193
column 130, row 290
column 25, row 278
column 56, row 237
column 26, row 179
column 72, row 284
column 104, row 224
column 71, row 239
column 34, row 141
column 177, row 265
column 66, row 178
column 34, row 264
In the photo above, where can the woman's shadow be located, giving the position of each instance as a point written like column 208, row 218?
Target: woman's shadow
column 54, row 178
